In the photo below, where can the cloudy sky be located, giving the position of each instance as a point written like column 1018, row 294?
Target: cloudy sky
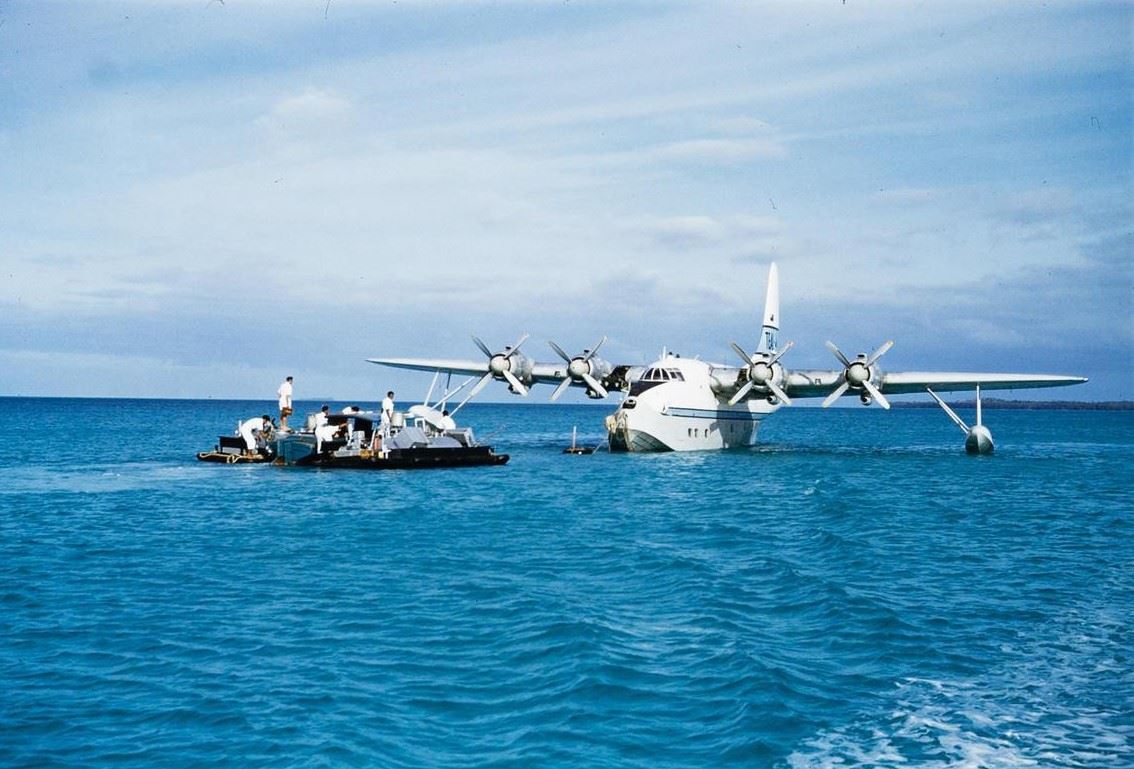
column 197, row 198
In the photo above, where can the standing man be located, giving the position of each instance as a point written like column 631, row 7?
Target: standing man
column 285, row 402
column 387, row 410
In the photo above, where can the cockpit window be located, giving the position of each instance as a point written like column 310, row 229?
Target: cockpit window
column 662, row 375
column 652, row 377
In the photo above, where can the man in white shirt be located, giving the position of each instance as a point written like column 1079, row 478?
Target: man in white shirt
column 253, row 429
column 285, row 402
column 388, row 409
column 321, row 416
column 323, row 431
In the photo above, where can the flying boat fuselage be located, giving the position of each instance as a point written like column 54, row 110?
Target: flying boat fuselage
column 672, row 406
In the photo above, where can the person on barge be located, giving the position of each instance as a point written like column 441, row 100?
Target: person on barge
column 251, row 430
column 284, row 394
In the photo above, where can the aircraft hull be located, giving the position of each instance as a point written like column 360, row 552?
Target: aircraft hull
column 681, row 435
column 684, row 416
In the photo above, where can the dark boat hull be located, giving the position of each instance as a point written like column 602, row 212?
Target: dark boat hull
column 410, row 459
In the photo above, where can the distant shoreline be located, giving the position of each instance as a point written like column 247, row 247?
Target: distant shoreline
column 997, row 403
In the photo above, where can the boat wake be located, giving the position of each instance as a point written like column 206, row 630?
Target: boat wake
column 1067, row 704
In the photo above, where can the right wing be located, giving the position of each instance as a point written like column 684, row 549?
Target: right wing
column 530, row 372
column 452, row 366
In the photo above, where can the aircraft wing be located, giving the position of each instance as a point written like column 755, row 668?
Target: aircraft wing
column 818, row 384
column 452, row 366
column 918, row 381
column 547, row 373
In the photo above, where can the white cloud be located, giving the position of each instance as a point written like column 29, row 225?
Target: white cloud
column 724, row 235
column 720, row 150
column 311, row 104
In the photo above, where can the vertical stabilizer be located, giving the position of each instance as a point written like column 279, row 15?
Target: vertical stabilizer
column 769, row 341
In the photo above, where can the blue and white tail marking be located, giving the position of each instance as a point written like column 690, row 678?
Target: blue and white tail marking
column 769, row 336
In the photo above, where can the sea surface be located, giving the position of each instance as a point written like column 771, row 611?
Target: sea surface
column 857, row 591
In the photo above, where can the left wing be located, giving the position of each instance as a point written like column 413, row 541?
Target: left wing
column 861, row 376
column 820, row 383
column 948, row 381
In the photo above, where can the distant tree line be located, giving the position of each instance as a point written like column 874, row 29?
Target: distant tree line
column 998, row 403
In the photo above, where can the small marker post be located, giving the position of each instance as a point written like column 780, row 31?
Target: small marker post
column 574, row 448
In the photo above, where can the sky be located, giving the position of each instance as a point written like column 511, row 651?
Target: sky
column 200, row 198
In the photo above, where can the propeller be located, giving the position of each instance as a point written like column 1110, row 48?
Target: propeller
column 762, row 373
column 858, row 375
column 579, row 369
column 500, row 367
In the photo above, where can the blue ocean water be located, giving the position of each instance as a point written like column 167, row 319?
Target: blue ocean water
column 855, row 592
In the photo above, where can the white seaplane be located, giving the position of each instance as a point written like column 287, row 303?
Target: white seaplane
column 686, row 404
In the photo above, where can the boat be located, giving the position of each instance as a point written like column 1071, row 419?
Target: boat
column 358, row 440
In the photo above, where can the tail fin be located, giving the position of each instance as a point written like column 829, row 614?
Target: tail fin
column 769, row 335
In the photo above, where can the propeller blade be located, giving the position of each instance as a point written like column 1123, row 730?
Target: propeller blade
column 480, row 385
column 483, row 347
column 562, row 388
column 743, row 391
column 516, row 346
column 838, row 353
column 876, row 394
column 594, row 385
column 838, row 392
column 775, row 388
column 595, row 349
column 740, row 351
column 780, row 354
column 879, row 353
column 559, row 351
column 517, row 385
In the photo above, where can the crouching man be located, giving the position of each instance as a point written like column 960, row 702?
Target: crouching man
column 253, row 431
